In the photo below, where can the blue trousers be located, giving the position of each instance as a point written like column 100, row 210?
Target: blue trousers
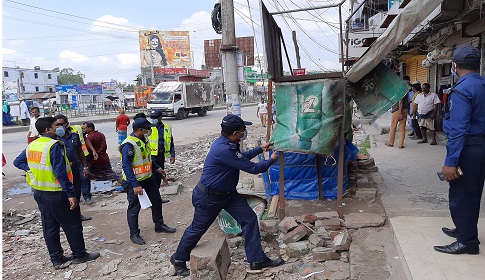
column 160, row 160
column 466, row 192
column 207, row 207
column 55, row 213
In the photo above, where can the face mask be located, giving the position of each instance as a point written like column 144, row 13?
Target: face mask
column 453, row 71
column 154, row 121
column 148, row 133
column 60, row 131
column 245, row 135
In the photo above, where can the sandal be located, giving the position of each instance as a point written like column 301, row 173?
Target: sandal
column 433, row 143
column 389, row 145
column 423, row 141
column 401, row 147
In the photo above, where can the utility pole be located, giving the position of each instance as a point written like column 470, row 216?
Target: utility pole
column 229, row 51
column 297, row 49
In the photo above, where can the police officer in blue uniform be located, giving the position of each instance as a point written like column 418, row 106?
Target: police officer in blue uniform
column 75, row 154
column 141, row 130
column 464, row 124
column 58, row 208
column 216, row 190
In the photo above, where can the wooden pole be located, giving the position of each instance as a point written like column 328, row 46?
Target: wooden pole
column 297, row 49
column 269, row 112
column 340, row 175
column 281, row 210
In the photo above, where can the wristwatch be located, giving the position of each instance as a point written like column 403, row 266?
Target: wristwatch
column 86, row 168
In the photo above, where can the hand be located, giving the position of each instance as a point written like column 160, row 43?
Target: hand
column 257, row 115
column 172, row 160
column 138, row 190
column 85, row 173
column 73, row 203
column 450, row 173
column 266, row 146
column 162, row 172
column 95, row 155
column 274, row 156
column 413, row 116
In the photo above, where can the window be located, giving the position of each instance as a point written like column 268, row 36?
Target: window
column 36, row 75
column 36, row 88
column 21, row 74
column 446, row 70
column 5, row 73
column 23, row 88
column 50, row 89
column 49, row 76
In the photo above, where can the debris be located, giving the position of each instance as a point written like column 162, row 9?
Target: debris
column 210, row 260
column 67, row 274
column 114, row 253
column 313, row 273
column 341, row 242
column 287, row 224
column 110, row 267
column 22, row 232
column 114, row 241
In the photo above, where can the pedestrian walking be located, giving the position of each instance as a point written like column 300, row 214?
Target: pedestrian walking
column 399, row 114
column 262, row 112
column 161, row 144
column 48, row 172
column 24, row 112
column 425, row 111
column 122, row 122
column 216, row 190
column 137, row 172
column 33, row 133
column 464, row 124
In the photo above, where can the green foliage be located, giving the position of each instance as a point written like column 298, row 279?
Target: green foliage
column 66, row 76
column 364, row 146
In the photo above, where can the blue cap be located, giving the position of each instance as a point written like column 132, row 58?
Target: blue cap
column 466, row 54
column 155, row 114
column 233, row 122
column 142, row 123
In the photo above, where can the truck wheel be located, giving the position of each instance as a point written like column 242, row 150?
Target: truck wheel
column 210, row 108
column 180, row 114
column 202, row 112
column 187, row 113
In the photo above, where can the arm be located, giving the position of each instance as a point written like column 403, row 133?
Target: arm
column 59, row 166
column 172, row 152
column 460, row 116
column 21, row 161
column 257, row 112
column 116, row 123
column 230, row 158
column 91, row 148
column 252, row 153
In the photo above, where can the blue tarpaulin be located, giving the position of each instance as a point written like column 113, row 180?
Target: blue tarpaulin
column 301, row 180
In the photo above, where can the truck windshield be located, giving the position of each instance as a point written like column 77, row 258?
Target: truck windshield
column 161, row 98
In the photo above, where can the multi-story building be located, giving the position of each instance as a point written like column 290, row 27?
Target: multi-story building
column 26, row 82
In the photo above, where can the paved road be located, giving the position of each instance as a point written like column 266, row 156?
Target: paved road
column 186, row 131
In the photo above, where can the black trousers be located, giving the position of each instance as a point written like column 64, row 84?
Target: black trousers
column 160, row 160
column 466, row 192
column 55, row 213
column 134, row 207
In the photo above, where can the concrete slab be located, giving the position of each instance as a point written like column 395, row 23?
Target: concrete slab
column 170, row 189
column 415, row 238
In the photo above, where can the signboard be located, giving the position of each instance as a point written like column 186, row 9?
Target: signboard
column 299, row 72
column 164, row 48
column 90, row 89
column 356, row 50
column 141, row 95
column 74, row 102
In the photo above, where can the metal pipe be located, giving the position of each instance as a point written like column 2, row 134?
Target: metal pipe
column 269, row 111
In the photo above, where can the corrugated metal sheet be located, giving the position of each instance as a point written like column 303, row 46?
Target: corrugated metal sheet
column 433, row 73
column 415, row 70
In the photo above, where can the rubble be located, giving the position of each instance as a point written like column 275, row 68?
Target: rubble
column 361, row 220
column 287, row 224
column 210, row 260
column 298, row 249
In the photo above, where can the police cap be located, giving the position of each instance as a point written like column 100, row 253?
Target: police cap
column 141, row 123
column 233, row 122
column 466, row 54
column 155, row 114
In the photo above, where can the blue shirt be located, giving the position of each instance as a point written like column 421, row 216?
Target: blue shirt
column 127, row 154
column 464, row 115
column 72, row 143
column 161, row 141
column 223, row 162
column 58, row 166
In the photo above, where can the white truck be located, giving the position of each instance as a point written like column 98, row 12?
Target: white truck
column 179, row 99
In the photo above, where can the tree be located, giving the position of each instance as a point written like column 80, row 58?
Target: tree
column 66, row 76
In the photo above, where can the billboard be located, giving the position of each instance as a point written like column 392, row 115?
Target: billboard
column 90, row 89
column 164, row 48
column 355, row 42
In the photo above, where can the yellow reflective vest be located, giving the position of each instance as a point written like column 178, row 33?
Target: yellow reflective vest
column 142, row 161
column 167, row 139
column 78, row 129
column 41, row 174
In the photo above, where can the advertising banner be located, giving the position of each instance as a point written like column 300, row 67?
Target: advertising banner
column 90, row 89
column 141, row 95
column 164, row 48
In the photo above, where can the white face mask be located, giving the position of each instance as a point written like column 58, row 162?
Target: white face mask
column 148, row 133
column 245, row 135
column 453, row 70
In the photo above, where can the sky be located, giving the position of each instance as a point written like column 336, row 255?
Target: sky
column 100, row 38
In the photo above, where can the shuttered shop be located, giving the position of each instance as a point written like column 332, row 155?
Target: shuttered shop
column 415, row 70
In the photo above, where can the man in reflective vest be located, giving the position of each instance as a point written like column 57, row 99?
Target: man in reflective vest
column 50, row 175
column 137, row 173
column 161, row 143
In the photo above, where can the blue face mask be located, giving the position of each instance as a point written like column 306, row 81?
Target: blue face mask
column 60, row 131
column 154, row 121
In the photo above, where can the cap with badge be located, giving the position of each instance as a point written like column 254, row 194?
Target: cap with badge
column 155, row 114
column 233, row 122
column 141, row 123
column 466, row 54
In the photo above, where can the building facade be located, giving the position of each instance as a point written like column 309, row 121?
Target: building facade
column 25, row 82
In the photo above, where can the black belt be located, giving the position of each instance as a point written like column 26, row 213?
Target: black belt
column 211, row 191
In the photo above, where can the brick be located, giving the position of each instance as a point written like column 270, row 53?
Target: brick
column 361, row 220
column 341, row 242
column 333, row 223
column 366, row 194
column 210, row 260
column 362, row 180
column 316, row 240
column 326, row 215
column 366, row 163
column 308, row 218
column 270, row 226
column 297, row 249
column 295, row 235
column 287, row 224
column 237, row 241
column 366, row 185
column 374, row 169
column 321, row 254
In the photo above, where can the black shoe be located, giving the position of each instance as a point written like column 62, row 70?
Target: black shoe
column 457, row 248
column 86, row 258
column 62, row 263
column 180, row 267
column 411, row 134
column 136, row 238
column 451, row 232
column 165, row 228
column 85, row 218
column 165, row 200
column 266, row 263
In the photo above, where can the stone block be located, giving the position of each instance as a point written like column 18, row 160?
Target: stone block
column 366, row 163
column 316, row 240
column 210, row 260
column 297, row 249
column 270, row 226
column 361, row 220
column 366, row 185
column 366, row 194
column 170, row 189
column 341, row 242
column 333, row 223
column 295, row 235
column 237, row 241
column 321, row 254
column 287, row 224
column 326, row 215
column 308, row 218
column 374, row 169
column 362, row 180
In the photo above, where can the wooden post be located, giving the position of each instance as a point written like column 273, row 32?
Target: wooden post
column 281, row 210
column 270, row 113
column 297, row 49
column 319, row 174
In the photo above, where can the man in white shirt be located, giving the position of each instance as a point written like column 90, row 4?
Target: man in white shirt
column 425, row 111
column 24, row 112
column 33, row 133
column 262, row 112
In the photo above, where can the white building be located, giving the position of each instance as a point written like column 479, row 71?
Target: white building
column 25, row 82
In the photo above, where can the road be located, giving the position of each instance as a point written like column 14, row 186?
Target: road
column 185, row 132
